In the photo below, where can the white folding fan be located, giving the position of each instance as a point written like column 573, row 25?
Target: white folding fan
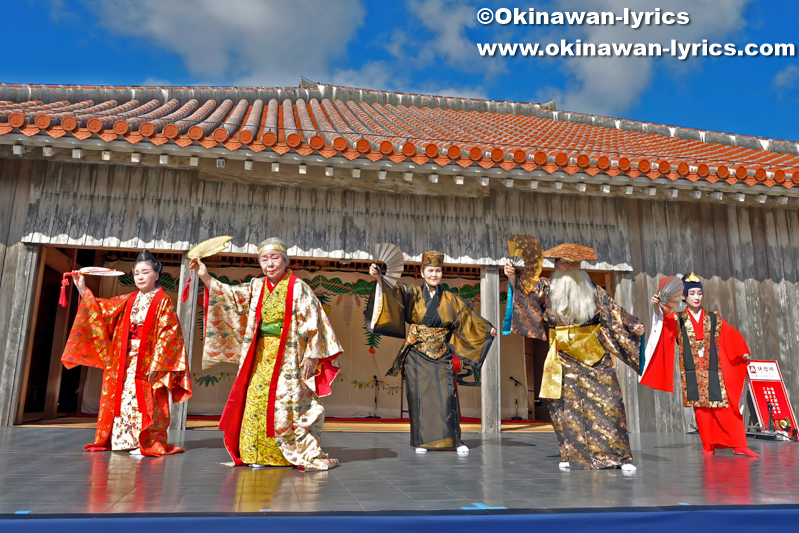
column 391, row 256
column 671, row 293
column 86, row 271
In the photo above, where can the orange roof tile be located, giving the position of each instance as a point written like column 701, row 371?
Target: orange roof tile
column 375, row 125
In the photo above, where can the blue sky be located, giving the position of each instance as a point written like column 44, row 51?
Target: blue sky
column 419, row 46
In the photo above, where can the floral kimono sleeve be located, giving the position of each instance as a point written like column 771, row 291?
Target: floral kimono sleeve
column 231, row 321
column 616, row 334
column 526, row 314
column 169, row 359
column 89, row 341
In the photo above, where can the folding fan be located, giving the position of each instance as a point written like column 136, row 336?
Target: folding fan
column 527, row 256
column 207, row 248
column 670, row 293
column 86, row 271
column 391, row 256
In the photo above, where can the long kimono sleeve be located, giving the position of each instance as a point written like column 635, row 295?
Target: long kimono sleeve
column 527, row 311
column 229, row 322
column 89, row 341
column 733, row 365
column 616, row 334
column 169, row 360
column 471, row 334
column 316, row 338
column 658, row 367
column 385, row 309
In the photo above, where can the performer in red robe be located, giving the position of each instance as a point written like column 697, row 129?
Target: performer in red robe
column 713, row 359
column 137, row 341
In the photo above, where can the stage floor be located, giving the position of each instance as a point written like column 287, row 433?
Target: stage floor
column 45, row 471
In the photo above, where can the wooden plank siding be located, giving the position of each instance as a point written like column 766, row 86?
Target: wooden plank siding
column 747, row 256
column 167, row 209
column 19, row 268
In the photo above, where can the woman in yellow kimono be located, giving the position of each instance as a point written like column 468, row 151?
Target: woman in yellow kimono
column 442, row 325
column 275, row 329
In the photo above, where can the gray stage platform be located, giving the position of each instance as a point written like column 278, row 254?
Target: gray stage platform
column 44, row 470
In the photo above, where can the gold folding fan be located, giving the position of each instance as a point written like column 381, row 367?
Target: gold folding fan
column 527, row 256
column 391, row 256
column 209, row 247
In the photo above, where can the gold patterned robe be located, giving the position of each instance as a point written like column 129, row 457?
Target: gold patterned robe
column 111, row 334
column 294, row 414
column 588, row 416
column 442, row 324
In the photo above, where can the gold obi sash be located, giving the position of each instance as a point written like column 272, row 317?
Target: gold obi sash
column 580, row 343
column 432, row 342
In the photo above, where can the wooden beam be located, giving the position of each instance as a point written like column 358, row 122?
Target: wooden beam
column 13, row 380
column 26, row 365
column 187, row 314
column 61, row 262
column 489, row 374
column 61, row 330
column 18, row 282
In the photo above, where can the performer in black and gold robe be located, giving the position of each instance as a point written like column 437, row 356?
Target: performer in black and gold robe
column 586, row 330
column 442, row 325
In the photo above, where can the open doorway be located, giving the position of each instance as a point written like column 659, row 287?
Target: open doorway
column 49, row 390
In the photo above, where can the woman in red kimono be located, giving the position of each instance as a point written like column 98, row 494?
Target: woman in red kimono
column 137, row 341
column 713, row 359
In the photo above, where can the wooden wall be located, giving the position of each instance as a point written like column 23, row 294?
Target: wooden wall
column 166, row 209
column 19, row 266
column 748, row 256
column 748, row 259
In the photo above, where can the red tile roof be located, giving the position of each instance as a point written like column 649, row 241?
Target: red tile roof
column 377, row 125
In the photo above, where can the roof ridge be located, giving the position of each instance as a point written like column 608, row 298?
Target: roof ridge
column 665, row 130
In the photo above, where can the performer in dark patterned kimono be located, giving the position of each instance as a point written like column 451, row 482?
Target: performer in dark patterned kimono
column 586, row 330
column 713, row 359
column 442, row 325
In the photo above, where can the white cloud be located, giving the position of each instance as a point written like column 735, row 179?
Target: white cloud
column 786, row 79
column 610, row 86
column 247, row 42
column 447, row 20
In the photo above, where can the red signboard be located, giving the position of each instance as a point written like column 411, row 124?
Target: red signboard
column 767, row 388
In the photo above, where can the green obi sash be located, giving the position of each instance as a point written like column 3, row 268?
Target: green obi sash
column 272, row 329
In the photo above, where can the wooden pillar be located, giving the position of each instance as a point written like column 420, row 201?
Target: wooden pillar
column 18, row 293
column 59, row 341
column 489, row 375
column 187, row 314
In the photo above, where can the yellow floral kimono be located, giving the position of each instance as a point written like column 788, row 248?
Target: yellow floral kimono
column 268, row 330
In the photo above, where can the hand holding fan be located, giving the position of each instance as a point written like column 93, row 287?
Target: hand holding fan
column 91, row 271
column 527, row 256
column 207, row 248
column 391, row 256
column 670, row 293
